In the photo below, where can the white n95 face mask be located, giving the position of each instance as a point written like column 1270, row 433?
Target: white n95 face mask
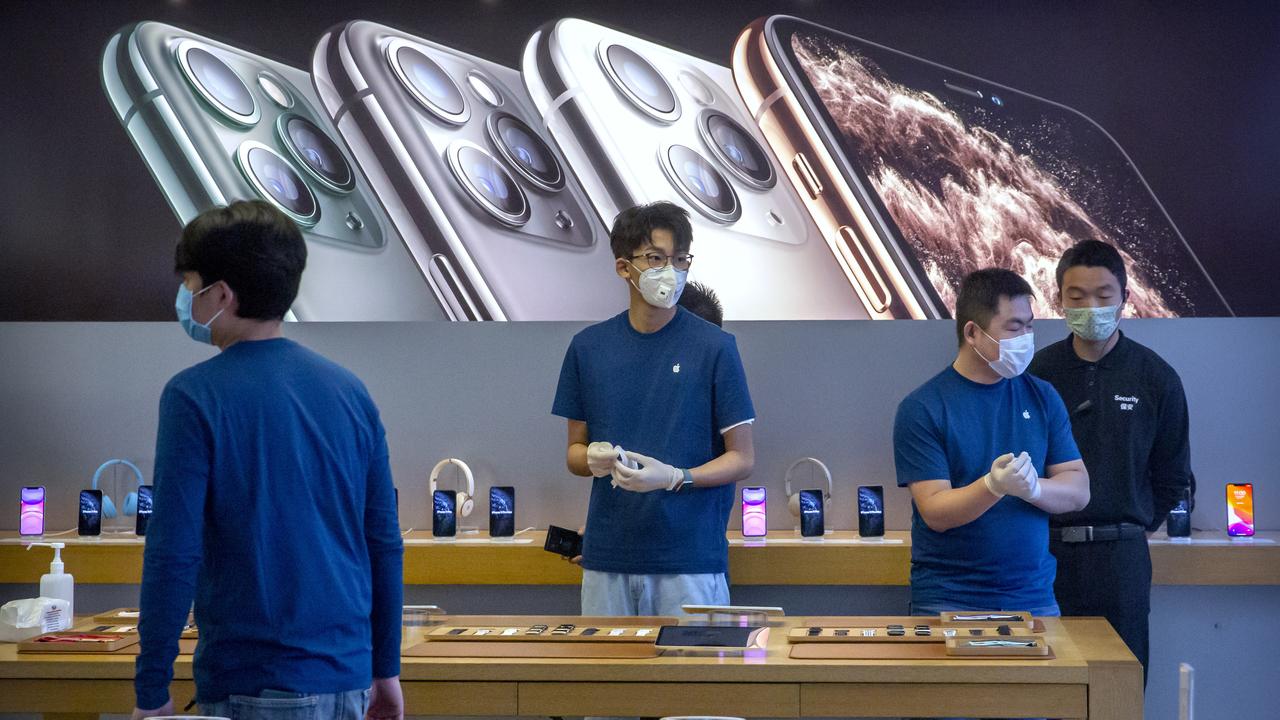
column 1093, row 323
column 1015, row 355
column 661, row 287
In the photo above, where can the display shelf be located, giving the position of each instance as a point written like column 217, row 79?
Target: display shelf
column 840, row 558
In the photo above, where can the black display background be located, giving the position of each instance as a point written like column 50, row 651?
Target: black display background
column 1192, row 92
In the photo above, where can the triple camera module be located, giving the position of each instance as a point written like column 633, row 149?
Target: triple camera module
column 487, row 180
column 270, row 173
column 695, row 177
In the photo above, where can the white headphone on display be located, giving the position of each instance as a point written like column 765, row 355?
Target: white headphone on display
column 793, row 499
column 466, row 499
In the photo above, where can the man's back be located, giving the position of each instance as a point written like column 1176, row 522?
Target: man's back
column 272, row 479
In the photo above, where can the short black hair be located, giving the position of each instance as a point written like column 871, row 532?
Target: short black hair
column 980, row 293
column 1093, row 253
column 703, row 302
column 253, row 247
column 634, row 226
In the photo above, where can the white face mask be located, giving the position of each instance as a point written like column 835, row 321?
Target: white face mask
column 1093, row 323
column 661, row 287
column 1015, row 354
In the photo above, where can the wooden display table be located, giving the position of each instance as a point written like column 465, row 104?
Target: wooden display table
column 841, row 558
column 1091, row 675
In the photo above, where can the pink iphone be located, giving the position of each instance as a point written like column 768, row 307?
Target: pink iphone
column 754, row 515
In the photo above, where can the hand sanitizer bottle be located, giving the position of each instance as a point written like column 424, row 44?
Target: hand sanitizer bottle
column 56, row 583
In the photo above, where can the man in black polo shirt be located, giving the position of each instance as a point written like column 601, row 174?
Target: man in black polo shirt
column 1129, row 418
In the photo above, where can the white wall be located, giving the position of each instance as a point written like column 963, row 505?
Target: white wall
column 74, row 394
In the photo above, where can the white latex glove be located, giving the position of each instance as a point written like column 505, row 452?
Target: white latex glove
column 651, row 475
column 600, row 457
column 1029, row 487
column 1014, row 476
column 1005, row 472
column 620, row 456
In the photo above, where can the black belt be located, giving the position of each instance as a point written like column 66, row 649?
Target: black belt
column 1097, row 533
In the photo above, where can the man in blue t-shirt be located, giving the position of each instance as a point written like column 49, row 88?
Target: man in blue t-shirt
column 274, row 508
column 988, row 455
column 665, row 389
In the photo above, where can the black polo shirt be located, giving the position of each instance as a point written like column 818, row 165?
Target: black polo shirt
column 1129, row 418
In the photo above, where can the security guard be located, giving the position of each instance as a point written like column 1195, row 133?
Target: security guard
column 1129, row 418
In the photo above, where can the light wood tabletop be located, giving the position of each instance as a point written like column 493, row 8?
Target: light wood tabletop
column 1091, row 675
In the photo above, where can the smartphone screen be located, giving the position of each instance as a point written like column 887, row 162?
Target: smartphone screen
column 31, row 519
column 871, row 511
column 563, row 542
column 754, row 515
column 502, row 511
column 1240, row 509
column 1179, row 522
column 811, row 522
column 90, row 512
column 145, row 503
column 444, row 513
column 959, row 170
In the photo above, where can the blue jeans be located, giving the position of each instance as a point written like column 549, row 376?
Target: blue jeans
column 931, row 609
column 623, row 594
column 276, row 705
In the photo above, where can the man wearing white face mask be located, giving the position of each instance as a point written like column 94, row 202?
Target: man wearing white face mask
column 1129, row 417
column 987, row 453
column 668, row 387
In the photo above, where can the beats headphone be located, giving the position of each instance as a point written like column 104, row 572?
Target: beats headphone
column 466, row 499
column 793, row 499
column 130, row 500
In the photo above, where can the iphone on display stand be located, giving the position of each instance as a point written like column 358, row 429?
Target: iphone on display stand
column 31, row 516
column 444, row 513
column 871, row 511
column 812, row 524
column 897, row 159
column 216, row 123
column 755, row 520
column 502, row 512
column 1240, row 509
column 89, row 522
column 641, row 122
column 457, row 152
column 1178, row 525
column 146, row 504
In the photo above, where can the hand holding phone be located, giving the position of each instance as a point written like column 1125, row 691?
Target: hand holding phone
column 565, row 543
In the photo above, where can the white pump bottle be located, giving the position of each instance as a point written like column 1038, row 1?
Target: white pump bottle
column 56, row 583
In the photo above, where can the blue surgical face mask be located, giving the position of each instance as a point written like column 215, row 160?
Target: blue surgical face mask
column 200, row 332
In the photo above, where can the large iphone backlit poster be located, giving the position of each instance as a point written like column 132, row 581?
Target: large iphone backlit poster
column 463, row 161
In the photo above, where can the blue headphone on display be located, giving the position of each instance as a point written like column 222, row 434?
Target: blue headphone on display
column 130, row 500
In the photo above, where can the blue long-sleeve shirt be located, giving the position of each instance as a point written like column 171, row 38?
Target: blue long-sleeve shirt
column 274, row 510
